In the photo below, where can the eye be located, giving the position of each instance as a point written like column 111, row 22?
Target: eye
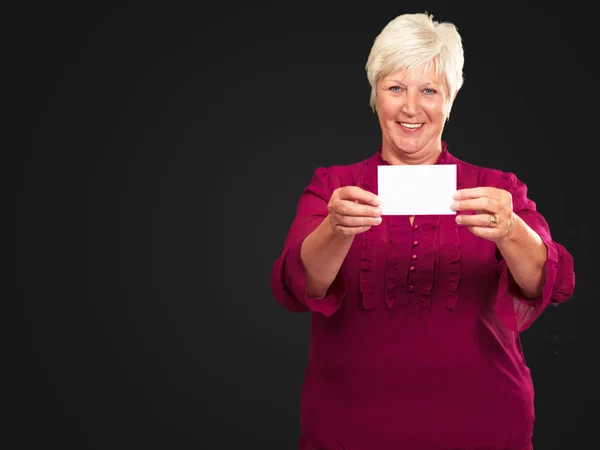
column 429, row 91
column 395, row 88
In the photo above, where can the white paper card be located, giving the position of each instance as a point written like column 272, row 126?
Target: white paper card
column 421, row 189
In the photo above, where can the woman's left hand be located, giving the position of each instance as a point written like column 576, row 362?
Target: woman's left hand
column 493, row 211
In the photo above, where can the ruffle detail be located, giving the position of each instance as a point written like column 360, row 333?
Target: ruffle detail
column 453, row 255
column 425, row 234
column 453, row 268
column 392, row 269
column 427, row 266
column 366, row 269
column 367, row 182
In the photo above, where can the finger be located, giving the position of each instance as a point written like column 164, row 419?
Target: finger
column 476, row 220
column 485, row 232
column 355, row 221
column 354, row 193
column 482, row 191
column 351, row 208
column 350, row 231
column 477, row 204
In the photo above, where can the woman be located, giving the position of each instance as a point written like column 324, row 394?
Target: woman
column 415, row 320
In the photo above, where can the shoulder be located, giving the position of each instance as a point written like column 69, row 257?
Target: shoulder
column 488, row 176
column 340, row 175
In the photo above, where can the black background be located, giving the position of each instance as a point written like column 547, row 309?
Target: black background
column 164, row 152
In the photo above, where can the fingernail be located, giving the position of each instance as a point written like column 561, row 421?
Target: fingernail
column 454, row 205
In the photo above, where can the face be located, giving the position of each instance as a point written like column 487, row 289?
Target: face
column 412, row 109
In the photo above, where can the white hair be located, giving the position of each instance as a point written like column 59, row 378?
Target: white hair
column 412, row 40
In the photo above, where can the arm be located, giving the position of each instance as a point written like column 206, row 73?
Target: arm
column 290, row 284
column 308, row 276
column 351, row 211
column 535, row 271
column 322, row 255
column 525, row 254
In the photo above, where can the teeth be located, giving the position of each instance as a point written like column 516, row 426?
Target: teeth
column 411, row 125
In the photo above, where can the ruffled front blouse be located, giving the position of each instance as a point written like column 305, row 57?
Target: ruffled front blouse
column 397, row 240
column 416, row 344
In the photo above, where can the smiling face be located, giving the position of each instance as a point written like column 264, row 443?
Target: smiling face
column 412, row 109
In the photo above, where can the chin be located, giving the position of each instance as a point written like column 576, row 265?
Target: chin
column 409, row 147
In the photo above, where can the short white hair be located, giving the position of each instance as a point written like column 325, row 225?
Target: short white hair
column 412, row 40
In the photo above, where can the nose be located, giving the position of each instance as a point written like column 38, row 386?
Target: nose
column 411, row 104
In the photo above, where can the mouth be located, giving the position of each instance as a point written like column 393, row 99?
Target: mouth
column 410, row 126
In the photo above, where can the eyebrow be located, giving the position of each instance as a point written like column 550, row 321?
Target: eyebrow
column 429, row 83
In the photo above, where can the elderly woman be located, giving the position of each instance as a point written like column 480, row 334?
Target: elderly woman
column 415, row 323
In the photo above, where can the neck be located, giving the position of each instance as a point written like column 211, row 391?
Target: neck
column 423, row 156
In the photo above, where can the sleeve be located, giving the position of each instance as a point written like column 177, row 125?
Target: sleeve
column 288, row 279
column 516, row 312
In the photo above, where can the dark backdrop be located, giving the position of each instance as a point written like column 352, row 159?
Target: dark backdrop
column 164, row 154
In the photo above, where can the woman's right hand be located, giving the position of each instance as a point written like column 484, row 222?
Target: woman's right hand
column 353, row 210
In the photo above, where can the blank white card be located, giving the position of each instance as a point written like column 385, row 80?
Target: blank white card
column 420, row 189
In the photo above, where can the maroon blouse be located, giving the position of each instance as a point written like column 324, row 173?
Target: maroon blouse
column 416, row 345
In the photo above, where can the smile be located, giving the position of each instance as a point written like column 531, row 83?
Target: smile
column 410, row 126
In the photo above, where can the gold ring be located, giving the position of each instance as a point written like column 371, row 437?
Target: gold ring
column 493, row 220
